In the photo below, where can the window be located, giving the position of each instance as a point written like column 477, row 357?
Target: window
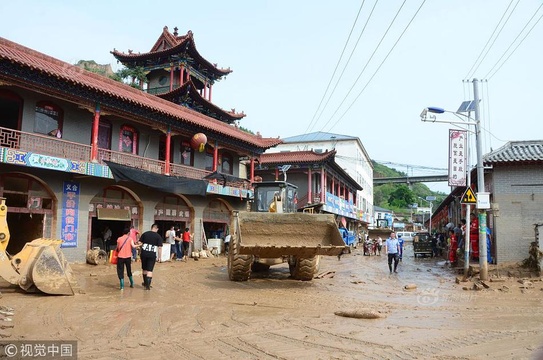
column 209, row 159
column 163, row 80
column 187, row 154
column 104, row 135
column 162, row 148
column 128, row 140
column 48, row 119
column 226, row 164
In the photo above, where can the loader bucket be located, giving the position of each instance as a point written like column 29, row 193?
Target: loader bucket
column 42, row 265
column 272, row 235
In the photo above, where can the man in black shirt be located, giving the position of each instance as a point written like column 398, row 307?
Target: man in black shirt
column 151, row 243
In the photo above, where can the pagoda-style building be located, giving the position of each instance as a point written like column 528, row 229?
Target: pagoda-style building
column 178, row 73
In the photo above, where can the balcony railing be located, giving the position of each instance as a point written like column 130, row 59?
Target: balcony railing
column 160, row 89
column 52, row 146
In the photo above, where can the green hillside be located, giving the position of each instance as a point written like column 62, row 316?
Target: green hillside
column 398, row 197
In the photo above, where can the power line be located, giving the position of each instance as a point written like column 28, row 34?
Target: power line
column 337, row 66
column 348, row 61
column 470, row 73
column 380, row 65
column 515, row 49
column 365, row 66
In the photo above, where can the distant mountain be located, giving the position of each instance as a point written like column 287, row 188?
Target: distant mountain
column 92, row 66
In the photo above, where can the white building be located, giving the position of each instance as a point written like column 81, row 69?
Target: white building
column 350, row 155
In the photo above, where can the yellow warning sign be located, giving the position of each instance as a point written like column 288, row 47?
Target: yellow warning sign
column 469, row 197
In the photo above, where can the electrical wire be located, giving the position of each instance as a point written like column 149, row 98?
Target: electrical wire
column 470, row 72
column 365, row 66
column 309, row 127
column 378, row 68
column 515, row 49
column 348, row 61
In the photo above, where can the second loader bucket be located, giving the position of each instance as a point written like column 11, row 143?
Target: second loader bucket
column 42, row 265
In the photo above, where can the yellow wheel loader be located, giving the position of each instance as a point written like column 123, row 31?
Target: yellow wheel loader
column 40, row 265
column 274, row 233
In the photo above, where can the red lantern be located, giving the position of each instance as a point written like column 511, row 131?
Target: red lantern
column 198, row 142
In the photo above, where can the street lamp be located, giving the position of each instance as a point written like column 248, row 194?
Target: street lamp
column 473, row 105
column 429, row 200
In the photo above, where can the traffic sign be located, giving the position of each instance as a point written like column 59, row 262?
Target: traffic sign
column 469, row 197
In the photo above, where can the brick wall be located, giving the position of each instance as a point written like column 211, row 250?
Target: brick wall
column 518, row 192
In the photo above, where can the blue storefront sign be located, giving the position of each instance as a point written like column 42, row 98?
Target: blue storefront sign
column 70, row 211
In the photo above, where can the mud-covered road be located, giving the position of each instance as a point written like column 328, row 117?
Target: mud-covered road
column 195, row 312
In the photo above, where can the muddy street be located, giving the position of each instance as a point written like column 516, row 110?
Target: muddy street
column 195, row 312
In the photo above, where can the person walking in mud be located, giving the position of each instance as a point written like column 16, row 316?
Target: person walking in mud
column 151, row 244
column 400, row 242
column 187, row 239
column 392, row 248
column 125, row 244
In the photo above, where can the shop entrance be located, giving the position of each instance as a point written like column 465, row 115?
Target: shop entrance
column 173, row 211
column 115, row 208
column 216, row 220
column 30, row 209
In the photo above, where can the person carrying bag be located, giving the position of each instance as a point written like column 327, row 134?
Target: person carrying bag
column 124, row 257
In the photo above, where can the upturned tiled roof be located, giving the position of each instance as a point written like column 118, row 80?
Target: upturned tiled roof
column 174, row 45
column 516, row 151
column 296, row 157
column 34, row 61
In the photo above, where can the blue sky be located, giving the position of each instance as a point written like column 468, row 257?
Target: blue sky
column 283, row 55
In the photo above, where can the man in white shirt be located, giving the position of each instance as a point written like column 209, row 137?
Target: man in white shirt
column 227, row 243
column 393, row 251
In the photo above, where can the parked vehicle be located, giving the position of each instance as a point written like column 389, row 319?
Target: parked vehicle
column 422, row 244
column 406, row 235
column 349, row 237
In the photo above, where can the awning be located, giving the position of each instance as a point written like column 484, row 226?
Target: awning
column 171, row 184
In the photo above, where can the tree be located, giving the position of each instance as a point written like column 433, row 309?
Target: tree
column 401, row 197
column 135, row 77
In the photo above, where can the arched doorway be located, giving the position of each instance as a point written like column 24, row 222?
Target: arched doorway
column 30, row 205
column 115, row 207
column 216, row 219
column 173, row 210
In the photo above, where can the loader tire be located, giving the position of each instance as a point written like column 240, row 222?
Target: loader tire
column 305, row 268
column 239, row 266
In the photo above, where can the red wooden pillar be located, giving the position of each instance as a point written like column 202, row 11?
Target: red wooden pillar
column 252, row 175
column 215, row 156
column 323, row 185
column 333, row 187
column 181, row 75
column 171, row 76
column 210, row 90
column 168, row 146
column 205, row 90
column 95, row 128
column 309, row 187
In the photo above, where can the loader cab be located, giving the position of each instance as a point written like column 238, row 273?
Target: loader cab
column 275, row 196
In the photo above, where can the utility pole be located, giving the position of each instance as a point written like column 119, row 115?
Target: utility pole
column 483, row 263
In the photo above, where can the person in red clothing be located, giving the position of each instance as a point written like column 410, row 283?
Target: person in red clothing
column 125, row 244
column 453, row 246
column 474, row 236
column 187, row 239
